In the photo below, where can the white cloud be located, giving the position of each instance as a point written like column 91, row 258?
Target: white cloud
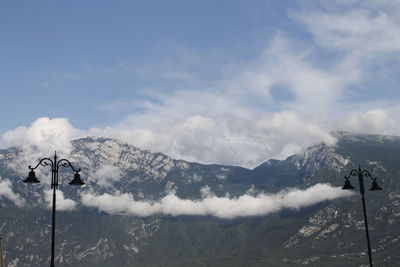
column 120, row 203
column 236, row 140
column 7, row 192
column 375, row 121
column 236, row 121
column 63, row 204
column 106, row 175
column 41, row 139
column 364, row 36
column 211, row 205
column 357, row 29
column 44, row 134
column 245, row 118
column 230, row 140
column 293, row 65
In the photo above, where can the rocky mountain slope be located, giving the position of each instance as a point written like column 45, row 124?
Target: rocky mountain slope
column 98, row 234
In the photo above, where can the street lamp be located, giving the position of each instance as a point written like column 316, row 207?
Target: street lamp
column 55, row 166
column 347, row 185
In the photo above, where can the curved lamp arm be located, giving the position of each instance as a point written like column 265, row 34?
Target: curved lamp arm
column 352, row 173
column 66, row 163
column 43, row 162
column 367, row 174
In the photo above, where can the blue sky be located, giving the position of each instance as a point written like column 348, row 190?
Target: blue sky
column 55, row 54
column 231, row 82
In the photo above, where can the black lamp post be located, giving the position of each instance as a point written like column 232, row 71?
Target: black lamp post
column 55, row 166
column 347, row 185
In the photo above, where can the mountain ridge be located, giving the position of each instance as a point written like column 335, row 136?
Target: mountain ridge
column 89, row 237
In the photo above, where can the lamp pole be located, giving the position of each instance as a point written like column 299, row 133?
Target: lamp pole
column 347, row 185
column 55, row 166
column 1, row 252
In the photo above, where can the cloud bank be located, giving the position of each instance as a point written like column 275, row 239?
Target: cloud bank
column 211, row 205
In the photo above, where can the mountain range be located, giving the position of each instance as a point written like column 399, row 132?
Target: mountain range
column 140, row 208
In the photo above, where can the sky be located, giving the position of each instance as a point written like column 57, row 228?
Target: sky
column 228, row 82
